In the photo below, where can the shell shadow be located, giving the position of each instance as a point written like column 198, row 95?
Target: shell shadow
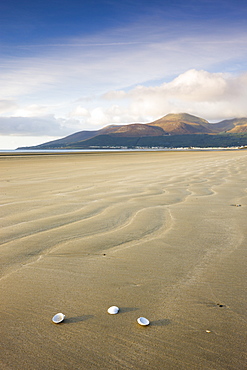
column 127, row 309
column 72, row 320
column 161, row 322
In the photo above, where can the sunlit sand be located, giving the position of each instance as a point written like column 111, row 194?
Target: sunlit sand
column 158, row 234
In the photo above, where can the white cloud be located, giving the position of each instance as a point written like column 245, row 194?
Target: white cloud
column 99, row 116
column 111, row 95
column 196, row 85
column 37, row 126
column 210, row 95
column 22, row 78
column 80, row 111
column 32, row 110
column 7, row 106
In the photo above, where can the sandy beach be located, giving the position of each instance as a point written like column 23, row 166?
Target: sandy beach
column 158, row 234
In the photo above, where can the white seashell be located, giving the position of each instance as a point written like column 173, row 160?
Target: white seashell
column 143, row 321
column 59, row 317
column 113, row 310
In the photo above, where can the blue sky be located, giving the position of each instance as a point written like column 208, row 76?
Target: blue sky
column 67, row 66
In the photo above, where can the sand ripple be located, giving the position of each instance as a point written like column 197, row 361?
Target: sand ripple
column 158, row 234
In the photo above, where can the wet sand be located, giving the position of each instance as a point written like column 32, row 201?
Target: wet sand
column 156, row 233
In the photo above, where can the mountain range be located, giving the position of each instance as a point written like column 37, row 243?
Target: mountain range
column 172, row 130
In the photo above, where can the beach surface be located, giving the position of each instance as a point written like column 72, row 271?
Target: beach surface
column 159, row 234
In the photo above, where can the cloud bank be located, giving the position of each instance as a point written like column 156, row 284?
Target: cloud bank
column 213, row 96
column 36, row 126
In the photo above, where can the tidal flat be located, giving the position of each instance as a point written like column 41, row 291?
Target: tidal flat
column 161, row 235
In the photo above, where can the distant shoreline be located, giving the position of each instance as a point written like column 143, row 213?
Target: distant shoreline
column 18, row 152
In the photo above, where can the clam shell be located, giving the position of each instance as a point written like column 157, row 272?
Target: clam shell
column 143, row 321
column 59, row 317
column 113, row 310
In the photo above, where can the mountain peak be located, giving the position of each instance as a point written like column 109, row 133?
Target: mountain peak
column 182, row 123
column 182, row 117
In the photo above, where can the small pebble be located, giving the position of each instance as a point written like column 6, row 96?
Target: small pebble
column 220, row 305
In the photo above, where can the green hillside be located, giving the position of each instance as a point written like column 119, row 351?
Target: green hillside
column 173, row 141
